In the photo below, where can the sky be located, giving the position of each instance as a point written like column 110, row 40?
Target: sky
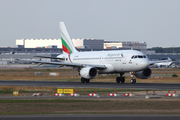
column 156, row 22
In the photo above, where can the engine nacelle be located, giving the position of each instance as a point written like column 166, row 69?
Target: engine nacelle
column 145, row 74
column 88, row 72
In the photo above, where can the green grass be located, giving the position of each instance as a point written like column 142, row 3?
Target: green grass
column 174, row 75
column 87, row 107
column 114, row 89
column 82, row 90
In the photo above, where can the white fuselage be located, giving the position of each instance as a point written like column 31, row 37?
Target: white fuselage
column 164, row 64
column 115, row 61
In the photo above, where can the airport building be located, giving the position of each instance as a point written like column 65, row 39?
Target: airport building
column 130, row 45
column 56, row 43
column 39, row 43
column 88, row 43
column 81, row 44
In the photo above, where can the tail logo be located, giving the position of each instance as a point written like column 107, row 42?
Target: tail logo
column 66, row 48
column 121, row 55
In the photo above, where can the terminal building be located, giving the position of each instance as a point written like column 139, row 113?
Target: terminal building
column 88, row 43
column 81, row 43
column 130, row 45
column 39, row 43
column 56, row 43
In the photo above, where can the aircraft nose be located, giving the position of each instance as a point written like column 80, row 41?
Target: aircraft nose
column 144, row 64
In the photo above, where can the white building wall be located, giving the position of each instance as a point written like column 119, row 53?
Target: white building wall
column 78, row 42
column 34, row 43
column 19, row 42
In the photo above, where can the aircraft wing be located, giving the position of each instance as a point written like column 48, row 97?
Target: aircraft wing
column 64, row 64
column 49, row 57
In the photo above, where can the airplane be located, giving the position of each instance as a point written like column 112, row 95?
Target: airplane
column 166, row 62
column 91, row 63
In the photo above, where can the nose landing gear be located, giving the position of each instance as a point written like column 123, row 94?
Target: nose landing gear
column 133, row 80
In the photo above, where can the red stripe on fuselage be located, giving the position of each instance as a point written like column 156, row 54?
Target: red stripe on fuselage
column 65, row 49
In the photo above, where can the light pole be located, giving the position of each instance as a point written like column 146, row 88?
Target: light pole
column 173, row 49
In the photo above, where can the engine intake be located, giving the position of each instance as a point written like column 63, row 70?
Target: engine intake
column 88, row 72
column 145, row 74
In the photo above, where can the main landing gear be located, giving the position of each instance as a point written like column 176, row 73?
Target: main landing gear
column 83, row 80
column 120, row 79
column 133, row 80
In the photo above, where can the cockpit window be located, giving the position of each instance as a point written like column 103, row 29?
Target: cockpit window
column 138, row 56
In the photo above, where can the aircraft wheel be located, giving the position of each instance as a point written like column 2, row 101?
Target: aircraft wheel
column 133, row 80
column 87, row 80
column 118, row 79
column 82, row 80
column 122, row 80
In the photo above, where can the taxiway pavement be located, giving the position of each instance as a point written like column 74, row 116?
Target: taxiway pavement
column 91, row 116
column 92, row 84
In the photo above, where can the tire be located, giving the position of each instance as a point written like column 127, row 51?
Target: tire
column 82, row 80
column 133, row 80
column 87, row 80
column 122, row 80
column 118, row 79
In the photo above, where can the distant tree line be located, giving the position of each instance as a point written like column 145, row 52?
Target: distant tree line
column 166, row 50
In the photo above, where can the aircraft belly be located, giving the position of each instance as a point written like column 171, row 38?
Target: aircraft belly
column 121, row 68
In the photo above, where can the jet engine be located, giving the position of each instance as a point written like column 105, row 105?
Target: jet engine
column 145, row 74
column 88, row 72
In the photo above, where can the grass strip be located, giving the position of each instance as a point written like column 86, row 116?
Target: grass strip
column 33, row 89
column 88, row 107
